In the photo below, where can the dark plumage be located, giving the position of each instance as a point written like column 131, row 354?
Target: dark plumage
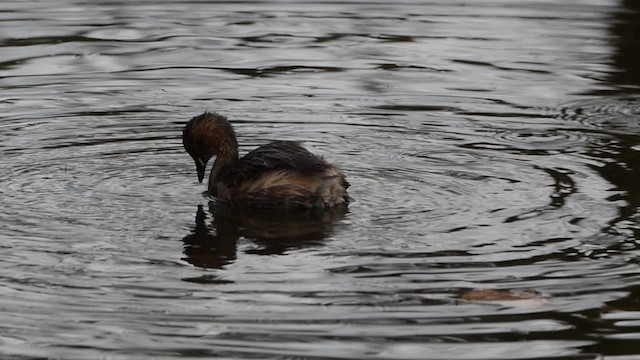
column 285, row 155
column 280, row 175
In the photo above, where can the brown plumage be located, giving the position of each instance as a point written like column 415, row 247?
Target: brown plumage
column 279, row 175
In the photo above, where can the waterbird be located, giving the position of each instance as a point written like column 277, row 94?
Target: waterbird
column 280, row 175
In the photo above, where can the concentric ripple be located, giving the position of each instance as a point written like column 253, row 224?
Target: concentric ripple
column 618, row 115
column 492, row 151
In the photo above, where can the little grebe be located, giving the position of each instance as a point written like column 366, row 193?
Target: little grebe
column 279, row 175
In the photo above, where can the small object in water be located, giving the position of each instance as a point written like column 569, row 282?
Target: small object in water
column 512, row 298
column 279, row 175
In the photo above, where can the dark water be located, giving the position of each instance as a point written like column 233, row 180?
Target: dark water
column 493, row 148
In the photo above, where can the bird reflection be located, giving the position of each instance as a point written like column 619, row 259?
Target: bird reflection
column 206, row 248
column 214, row 244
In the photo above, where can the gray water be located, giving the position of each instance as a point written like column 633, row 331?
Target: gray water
column 493, row 147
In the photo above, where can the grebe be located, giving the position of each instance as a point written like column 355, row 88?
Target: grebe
column 279, row 175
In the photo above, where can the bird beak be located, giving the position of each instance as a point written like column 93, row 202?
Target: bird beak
column 200, row 167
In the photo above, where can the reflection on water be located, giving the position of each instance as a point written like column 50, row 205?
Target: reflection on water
column 625, row 32
column 202, row 248
column 213, row 244
column 493, row 149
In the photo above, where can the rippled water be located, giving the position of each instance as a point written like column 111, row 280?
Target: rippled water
column 493, row 150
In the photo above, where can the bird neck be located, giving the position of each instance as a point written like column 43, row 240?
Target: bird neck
column 219, row 177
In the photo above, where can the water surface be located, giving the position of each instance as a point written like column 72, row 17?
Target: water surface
column 493, row 148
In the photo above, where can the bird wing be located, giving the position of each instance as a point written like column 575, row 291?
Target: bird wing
column 279, row 155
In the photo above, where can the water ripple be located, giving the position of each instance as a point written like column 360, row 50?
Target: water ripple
column 496, row 205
